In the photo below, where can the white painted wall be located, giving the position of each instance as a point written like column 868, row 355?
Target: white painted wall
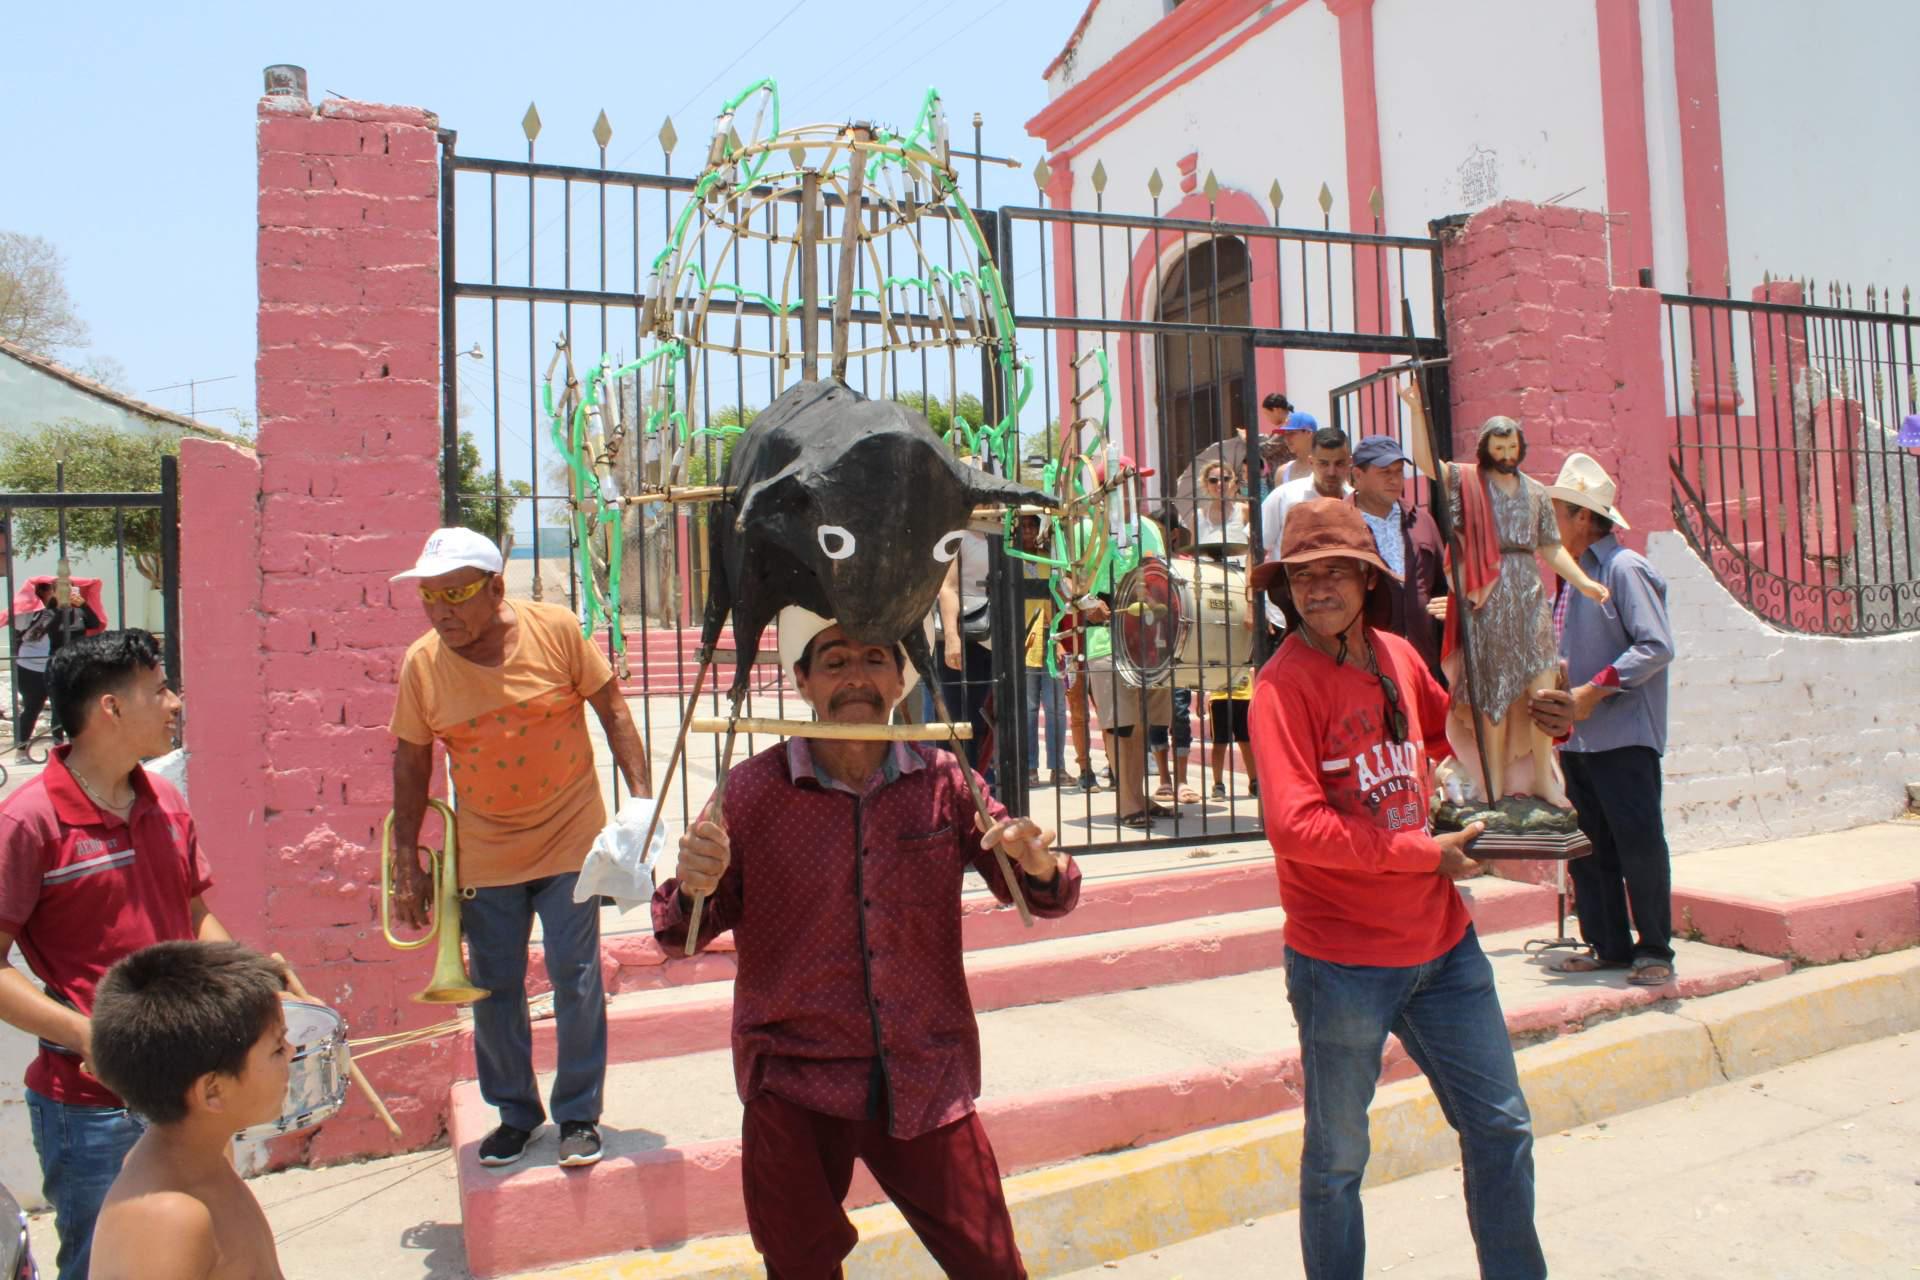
column 1483, row 102
column 1115, row 24
column 1773, row 734
column 1818, row 107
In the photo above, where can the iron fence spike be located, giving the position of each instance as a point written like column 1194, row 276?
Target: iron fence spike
column 530, row 122
column 1212, row 187
column 1376, row 203
column 602, row 129
column 1275, row 195
column 1154, row 185
column 669, row 136
column 1099, row 176
column 1042, row 175
column 1326, row 199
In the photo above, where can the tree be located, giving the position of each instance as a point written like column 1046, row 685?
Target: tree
column 98, row 459
column 35, row 311
column 482, row 509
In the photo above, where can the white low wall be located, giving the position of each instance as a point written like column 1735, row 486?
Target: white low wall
column 1774, row 734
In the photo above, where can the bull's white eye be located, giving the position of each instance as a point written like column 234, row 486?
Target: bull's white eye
column 835, row 541
column 948, row 547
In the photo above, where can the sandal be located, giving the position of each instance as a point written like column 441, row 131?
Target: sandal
column 1188, row 795
column 1649, row 972
column 1157, row 810
column 1585, row 962
column 1139, row 820
column 1163, row 792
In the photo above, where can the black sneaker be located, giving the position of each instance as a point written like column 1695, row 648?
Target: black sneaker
column 579, row 1144
column 504, row 1145
column 1087, row 783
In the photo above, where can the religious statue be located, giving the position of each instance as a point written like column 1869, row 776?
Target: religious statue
column 1502, row 519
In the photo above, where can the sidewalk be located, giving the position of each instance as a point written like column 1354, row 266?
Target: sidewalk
column 1811, row 1170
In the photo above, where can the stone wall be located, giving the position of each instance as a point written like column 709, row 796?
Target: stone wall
column 1777, row 734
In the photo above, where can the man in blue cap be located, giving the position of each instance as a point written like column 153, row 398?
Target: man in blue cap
column 1409, row 542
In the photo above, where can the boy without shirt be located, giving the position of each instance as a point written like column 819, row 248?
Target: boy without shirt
column 192, row 1036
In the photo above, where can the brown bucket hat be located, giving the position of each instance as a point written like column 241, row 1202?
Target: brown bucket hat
column 1322, row 529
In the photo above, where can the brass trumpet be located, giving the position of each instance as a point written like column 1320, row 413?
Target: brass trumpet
column 450, row 984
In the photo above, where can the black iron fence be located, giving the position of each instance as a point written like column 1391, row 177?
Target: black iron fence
column 1789, row 477
column 82, row 562
column 1139, row 334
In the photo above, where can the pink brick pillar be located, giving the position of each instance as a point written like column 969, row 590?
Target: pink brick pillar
column 297, row 770
column 1537, row 333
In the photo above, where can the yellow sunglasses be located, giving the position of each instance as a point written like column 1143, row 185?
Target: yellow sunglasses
column 454, row 595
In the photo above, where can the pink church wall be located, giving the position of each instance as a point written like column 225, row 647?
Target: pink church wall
column 293, row 636
column 1538, row 333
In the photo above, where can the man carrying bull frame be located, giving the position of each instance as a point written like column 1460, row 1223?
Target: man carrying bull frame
column 503, row 686
column 838, row 865
column 1346, row 719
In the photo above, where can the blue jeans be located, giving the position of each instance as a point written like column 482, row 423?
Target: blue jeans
column 80, row 1150
column 1448, row 1017
column 498, row 922
column 1046, row 692
column 1179, row 730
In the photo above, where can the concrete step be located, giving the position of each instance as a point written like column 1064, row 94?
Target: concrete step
column 1842, row 895
column 1064, row 1081
column 1072, row 1218
column 1008, row 970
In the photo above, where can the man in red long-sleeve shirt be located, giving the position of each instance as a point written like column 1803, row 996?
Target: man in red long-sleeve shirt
column 838, row 866
column 1346, row 720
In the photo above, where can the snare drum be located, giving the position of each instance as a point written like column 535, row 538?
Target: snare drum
column 1183, row 621
column 317, row 1081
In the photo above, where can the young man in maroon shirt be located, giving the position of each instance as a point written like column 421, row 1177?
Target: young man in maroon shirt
column 97, row 860
column 838, row 866
column 1345, row 720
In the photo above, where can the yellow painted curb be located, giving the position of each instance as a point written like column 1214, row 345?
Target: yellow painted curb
column 1103, row 1208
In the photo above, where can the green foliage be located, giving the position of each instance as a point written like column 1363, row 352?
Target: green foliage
column 940, row 411
column 98, row 459
column 479, row 509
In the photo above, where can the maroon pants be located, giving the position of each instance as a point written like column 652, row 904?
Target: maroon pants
column 797, row 1165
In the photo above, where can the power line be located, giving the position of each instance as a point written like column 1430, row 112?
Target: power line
column 832, row 73
column 947, row 40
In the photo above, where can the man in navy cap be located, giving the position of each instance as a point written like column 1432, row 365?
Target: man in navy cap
column 1409, row 542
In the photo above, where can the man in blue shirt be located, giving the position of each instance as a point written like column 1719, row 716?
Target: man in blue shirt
column 1617, row 656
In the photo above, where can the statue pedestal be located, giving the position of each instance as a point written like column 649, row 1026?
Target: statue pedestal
column 1517, row 827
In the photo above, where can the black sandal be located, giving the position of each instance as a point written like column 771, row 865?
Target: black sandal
column 1139, row 820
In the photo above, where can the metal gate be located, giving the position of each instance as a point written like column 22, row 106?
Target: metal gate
column 1154, row 332
column 92, row 541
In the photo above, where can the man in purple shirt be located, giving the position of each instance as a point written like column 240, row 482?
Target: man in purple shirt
column 838, row 866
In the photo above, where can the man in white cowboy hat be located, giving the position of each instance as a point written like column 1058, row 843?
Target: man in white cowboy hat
column 1617, row 656
column 504, row 686
column 838, row 865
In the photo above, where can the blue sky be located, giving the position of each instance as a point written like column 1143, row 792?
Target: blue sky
column 130, row 138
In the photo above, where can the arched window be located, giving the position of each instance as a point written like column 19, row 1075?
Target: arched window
column 1201, row 379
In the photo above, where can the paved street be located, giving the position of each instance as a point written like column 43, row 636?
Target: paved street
column 1806, row 1172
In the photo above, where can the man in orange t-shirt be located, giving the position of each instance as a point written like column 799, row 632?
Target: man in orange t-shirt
column 502, row 686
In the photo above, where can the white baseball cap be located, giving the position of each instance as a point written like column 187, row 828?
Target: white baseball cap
column 451, row 549
column 798, row 627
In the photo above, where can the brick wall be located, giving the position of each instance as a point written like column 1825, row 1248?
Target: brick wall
column 296, row 549
column 1537, row 333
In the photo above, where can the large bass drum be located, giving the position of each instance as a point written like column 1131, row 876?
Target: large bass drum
column 1182, row 621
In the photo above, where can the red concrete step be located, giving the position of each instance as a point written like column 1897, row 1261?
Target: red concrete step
column 665, row 1022
column 1064, row 1080
column 635, row 962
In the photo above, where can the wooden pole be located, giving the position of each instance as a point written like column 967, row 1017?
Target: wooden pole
column 1007, row 873
column 849, row 249
column 715, row 806
column 828, row 729
column 810, row 277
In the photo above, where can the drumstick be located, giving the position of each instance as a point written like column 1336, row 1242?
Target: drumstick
column 353, row 1068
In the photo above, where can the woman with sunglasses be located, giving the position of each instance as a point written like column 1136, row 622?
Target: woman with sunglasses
column 1346, row 723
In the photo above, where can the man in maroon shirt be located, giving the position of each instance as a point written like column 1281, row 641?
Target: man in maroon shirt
column 97, row 860
column 1345, row 720
column 838, row 866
